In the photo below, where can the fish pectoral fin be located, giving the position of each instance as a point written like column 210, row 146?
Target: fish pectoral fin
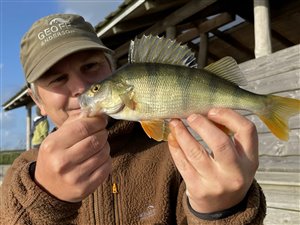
column 127, row 97
column 156, row 129
column 129, row 102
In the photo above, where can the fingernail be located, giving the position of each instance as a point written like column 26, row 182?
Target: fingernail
column 192, row 117
column 174, row 123
column 213, row 111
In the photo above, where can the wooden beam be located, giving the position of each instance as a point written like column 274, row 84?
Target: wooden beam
column 275, row 34
column 283, row 40
column 205, row 27
column 142, row 21
column 202, row 53
column 171, row 32
column 176, row 17
column 215, row 22
column 233, row 42
column 132, row 25
column 179, row 15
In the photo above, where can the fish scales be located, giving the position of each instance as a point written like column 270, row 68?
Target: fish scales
column 162, row 82
column 168, row 91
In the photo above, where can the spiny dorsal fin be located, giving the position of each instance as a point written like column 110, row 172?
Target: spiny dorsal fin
column 154, row 49
column 228, row 69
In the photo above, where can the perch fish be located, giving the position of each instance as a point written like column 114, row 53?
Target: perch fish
column 162, row 81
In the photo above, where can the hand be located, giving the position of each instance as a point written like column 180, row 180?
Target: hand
column 74, row 160
column 221, row 180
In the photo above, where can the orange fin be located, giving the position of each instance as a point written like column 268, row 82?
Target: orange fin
column 156, row 129
column 277, row 113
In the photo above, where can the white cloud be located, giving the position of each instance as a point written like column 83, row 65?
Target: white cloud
column 92, row 11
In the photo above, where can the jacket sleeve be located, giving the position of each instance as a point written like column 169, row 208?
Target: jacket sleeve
column 253, row 212
column 23, row 202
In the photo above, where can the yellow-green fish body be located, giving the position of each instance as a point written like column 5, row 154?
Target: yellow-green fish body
column 161, row 91
column 151, row 89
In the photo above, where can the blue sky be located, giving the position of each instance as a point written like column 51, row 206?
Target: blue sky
column 15, row 19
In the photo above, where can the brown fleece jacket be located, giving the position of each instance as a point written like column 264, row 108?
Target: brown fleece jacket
column 144, row 188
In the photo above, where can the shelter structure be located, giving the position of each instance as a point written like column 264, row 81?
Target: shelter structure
column 263, row 36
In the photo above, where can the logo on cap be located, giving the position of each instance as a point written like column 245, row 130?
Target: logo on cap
column 58, row 27
column 57, row 21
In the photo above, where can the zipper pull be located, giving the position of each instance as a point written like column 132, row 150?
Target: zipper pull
column 115, row 188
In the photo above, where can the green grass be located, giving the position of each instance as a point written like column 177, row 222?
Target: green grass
column 7, row 157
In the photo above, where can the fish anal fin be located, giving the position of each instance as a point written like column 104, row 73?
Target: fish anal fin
column 156, row 129
column 228, row 69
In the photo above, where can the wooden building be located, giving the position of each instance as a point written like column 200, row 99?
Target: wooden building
column 263, row 38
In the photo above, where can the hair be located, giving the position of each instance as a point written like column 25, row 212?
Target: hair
column 34, row 90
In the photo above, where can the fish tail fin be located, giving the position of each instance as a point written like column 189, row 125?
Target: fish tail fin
column 276, row 114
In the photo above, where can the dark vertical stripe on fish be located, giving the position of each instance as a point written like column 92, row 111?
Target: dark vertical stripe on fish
column 186, row 93
column 213, row 85
column 152, row 81
column 235, row 98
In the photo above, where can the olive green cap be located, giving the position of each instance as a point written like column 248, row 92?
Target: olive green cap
column 54, row 37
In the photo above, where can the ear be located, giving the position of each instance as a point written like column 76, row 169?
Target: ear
column 37, row 102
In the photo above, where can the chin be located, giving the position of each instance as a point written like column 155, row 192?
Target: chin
column 74, row 112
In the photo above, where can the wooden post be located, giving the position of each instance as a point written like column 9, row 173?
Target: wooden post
column 171, row 32
column 262, row 29
column 203, row 47
column 28, row 127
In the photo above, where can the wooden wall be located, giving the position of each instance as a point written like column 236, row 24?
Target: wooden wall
column 279, row 170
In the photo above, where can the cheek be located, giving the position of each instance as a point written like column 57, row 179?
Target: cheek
column 55, row 107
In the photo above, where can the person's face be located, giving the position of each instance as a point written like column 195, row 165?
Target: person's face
column 60, row 86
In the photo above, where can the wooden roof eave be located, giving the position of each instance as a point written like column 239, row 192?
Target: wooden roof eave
column 20, row 99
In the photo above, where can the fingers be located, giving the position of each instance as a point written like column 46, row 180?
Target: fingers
column 76, row 156
column 225, row 178
column 245, row 134
column 214, row 137
column 86, row 168
column 86, row 148
column 186, row 150
column 78, row 129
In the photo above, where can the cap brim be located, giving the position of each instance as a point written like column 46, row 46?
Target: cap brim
column 61, row 52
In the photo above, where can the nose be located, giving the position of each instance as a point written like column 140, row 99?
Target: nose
column 78, row 85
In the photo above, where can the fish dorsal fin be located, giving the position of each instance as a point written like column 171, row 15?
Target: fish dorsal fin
column 228, row 69
column 154, row 49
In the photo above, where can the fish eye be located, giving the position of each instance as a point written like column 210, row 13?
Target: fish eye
column 95, row 88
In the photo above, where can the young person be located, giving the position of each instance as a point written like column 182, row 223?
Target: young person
column 99, row 171
column 40, row 129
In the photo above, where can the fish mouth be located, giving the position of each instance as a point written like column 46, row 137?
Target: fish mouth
column 91, row 107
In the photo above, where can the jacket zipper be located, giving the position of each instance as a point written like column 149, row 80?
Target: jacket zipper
column 115, row 192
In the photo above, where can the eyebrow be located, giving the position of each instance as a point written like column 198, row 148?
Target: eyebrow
column 86, row 57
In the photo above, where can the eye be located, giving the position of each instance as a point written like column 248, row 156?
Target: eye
column 95, row 88
column 58, row 79
column 90, row 66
